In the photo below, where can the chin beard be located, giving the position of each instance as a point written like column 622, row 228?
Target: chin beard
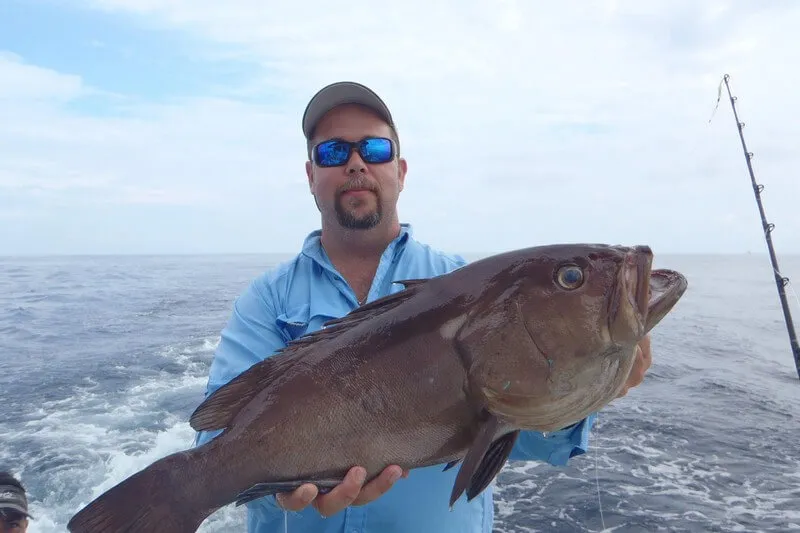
column 347, row 218
column 350, row 221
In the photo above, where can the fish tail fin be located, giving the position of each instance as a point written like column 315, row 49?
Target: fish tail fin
column 158, row 499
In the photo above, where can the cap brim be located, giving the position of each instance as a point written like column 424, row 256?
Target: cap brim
column 16, row 508
column 344, row 92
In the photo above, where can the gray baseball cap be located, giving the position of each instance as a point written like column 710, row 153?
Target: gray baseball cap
column 12, row 498
column 342, row 92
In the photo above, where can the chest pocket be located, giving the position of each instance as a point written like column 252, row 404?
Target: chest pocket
column 306, row 318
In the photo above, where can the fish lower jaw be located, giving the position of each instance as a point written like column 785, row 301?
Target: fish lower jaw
column 627, row 326
column 538, row 414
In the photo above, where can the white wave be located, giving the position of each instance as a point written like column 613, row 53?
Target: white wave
column 94, row 439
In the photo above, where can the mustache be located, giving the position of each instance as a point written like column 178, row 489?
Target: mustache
column 357, row 183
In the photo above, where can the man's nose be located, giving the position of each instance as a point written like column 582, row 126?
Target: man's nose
column 355, row 163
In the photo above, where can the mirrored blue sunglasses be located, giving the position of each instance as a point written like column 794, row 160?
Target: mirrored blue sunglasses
column 336, row 152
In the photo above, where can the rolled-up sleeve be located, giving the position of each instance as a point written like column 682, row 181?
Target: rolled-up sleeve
column 557, row 447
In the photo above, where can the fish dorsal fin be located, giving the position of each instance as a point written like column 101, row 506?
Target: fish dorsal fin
column 414, row 282
column 364, row 312
column 220, row 408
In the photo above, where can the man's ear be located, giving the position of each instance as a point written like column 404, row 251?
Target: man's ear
column 310, row 175
column 402, row 165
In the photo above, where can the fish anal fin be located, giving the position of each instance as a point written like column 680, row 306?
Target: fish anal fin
column 450, row 465
column 259, row 490
column 219, row 409
column 483, row 460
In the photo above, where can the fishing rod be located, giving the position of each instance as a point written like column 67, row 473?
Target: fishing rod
column 780, row 280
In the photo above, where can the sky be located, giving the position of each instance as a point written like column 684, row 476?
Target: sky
column 150, row 126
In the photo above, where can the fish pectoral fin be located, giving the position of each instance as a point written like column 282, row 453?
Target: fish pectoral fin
column 492, row 463
column 483, row 461
column 260, row 490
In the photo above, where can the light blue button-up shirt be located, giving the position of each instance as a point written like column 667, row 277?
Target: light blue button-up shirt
column 296, row 298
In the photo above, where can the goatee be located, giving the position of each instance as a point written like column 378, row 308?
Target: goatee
column 348, row 220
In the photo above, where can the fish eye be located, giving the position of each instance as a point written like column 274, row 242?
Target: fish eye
column 569, row 276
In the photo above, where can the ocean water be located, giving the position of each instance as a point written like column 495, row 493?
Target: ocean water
column 102, row 359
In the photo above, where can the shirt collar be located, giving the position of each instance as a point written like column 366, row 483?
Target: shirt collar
column 312, row 247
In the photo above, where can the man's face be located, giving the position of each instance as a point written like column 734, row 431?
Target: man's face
column 13, row 522
column 357, row 194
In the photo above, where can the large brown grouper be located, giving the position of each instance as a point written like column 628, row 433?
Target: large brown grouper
column 446, row 371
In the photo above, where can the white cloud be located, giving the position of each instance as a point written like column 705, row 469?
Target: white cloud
column 525, row 121
column 23, row 82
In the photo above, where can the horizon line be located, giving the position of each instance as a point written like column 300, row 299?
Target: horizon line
column 293, row 253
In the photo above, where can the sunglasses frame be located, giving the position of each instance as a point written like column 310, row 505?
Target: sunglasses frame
column 353, row 146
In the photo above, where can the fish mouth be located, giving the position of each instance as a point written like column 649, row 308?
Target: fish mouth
column 644, row 295
column 666, row 287
column 637, row 269
column 630, row 305
column 641, row 269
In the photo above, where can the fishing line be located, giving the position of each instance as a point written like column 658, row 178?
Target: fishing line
column 719, row 97
column 780, row 281
column 597, row 483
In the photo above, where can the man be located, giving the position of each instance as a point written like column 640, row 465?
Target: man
column 356, row 256
column 13, row 505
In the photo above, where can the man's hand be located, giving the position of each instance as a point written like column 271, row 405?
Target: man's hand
column 644, row 358
column 351, row 491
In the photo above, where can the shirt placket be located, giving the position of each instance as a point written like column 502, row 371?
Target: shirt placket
column 336, row 278
column 387, row 258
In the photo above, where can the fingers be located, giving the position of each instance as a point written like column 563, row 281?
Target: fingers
column 378, row 486
column 637, row 372
column 642, row 362
column 351, row 491
column 297, row 499
column 647, row 354
column 644, row 358
column 343, row 494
